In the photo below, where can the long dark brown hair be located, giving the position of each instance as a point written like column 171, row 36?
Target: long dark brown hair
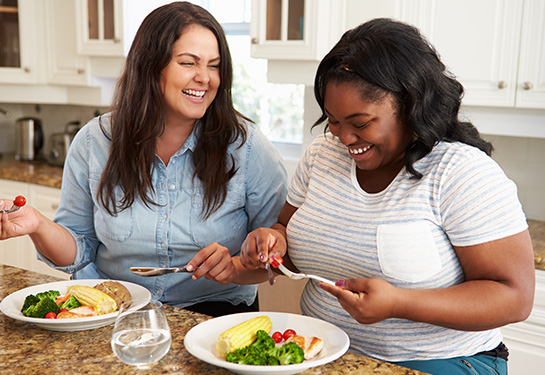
column 138, row 115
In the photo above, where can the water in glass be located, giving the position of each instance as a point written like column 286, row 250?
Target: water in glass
column 141, row 337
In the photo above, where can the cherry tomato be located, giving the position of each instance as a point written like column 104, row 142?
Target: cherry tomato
column 288, row 333
column 62, row 310
column 51, row 315
column 277, row 337
column 19, row 201
column 276, row 262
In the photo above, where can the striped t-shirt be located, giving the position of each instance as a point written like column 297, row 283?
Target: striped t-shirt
column 403, row 234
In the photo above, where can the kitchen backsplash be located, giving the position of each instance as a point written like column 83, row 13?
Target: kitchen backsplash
column 522, row 159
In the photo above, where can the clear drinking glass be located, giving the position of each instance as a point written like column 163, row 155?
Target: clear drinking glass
column 141, row 337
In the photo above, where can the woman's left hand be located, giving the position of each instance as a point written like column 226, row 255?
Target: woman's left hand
column 366, row 300
column 214, row 262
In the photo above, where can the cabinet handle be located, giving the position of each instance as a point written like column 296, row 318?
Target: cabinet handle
column 117, row 40
column 81, row 71
column 527, row 85
column 54, row 206
column 502, row 84
column 255, row 40
column 26, row 69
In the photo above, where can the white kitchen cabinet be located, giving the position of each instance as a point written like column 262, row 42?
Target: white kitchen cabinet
column 23, row 40
column 495, row 47
column 20, row 252
column 295, row 29
column 526, row 340
column 531, row 72
column 99, row 27
column 65, row 65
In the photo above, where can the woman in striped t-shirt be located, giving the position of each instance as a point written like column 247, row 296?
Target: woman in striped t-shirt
column 401, row 203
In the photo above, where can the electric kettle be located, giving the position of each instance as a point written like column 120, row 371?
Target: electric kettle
column 29, row 138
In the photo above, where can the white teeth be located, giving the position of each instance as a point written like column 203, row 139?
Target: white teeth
column 357, row 151
column 198, row 94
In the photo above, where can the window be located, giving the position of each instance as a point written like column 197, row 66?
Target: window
column 277, row 109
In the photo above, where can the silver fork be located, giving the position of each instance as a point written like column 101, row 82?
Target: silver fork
column 12, row 209
column 299, row 276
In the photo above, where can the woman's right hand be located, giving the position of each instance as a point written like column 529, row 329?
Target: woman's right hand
column 260, row 246
column 18, row 223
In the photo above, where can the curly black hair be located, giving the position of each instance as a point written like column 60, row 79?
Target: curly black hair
column 387, row 57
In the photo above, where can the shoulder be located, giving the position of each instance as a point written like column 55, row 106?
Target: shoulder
column 450, row 156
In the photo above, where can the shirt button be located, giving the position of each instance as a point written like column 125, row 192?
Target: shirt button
column 163, row 245
column 165, row 216
column 172, row 187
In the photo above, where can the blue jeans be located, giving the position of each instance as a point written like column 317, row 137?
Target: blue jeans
column 474, row 365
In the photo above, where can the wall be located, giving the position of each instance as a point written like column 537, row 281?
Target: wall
column 54, row 119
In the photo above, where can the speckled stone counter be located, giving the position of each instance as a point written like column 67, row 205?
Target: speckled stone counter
column 36, row 172
column 26, row 349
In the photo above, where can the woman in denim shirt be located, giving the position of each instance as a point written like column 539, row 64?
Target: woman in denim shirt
column 173, row 176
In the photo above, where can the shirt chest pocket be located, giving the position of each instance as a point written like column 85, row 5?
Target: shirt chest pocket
column 407, row 252
column 119, row 227
column 224, row 225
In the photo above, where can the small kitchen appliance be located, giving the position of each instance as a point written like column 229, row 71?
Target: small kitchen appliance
column 29, row 138
column 60, row 142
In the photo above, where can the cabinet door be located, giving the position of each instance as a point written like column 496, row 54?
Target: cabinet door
column 531, row 79
column 100, row 27
column 478, row 40
column 295, row 29
column 46, row 200
column 526, row 340
column 14, row 251
column 65, row 66
column 21, row 30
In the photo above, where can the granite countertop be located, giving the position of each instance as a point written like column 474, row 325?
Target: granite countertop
column 26, row 349
column 40, row 173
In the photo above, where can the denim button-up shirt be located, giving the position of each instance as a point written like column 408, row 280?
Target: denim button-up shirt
column 173, row 231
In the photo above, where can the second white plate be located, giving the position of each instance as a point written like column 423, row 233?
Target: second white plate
column 12, row 304
column 200, row 341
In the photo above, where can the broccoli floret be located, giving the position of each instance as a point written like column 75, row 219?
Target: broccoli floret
column 264, row 341
column 265, row 352
column 53, row 294
column 43, row 307
column 248, row 355
column 30, row 300
column 70, row 303
column 290, row 353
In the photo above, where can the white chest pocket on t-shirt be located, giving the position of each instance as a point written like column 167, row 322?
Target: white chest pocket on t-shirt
column 407, row 251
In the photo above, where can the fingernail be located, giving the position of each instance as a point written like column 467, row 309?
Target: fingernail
column 189, row 267
column 340, row 283
column 263, row 257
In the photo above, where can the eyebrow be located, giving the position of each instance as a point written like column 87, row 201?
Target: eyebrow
column 196, row 57
column 357, row 114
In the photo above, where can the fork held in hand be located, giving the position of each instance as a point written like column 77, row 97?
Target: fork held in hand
column 298, row 276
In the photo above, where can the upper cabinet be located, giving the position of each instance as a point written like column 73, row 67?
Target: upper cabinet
column 20, row 24
column 531, row 71
column 100, row 27
column 295, row 29
column 495, row 47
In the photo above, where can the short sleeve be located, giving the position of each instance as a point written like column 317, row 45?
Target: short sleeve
column 299, row 183
column 478, row 201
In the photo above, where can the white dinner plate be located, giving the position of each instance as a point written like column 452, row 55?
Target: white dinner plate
column 12, row 304
column 200, row 341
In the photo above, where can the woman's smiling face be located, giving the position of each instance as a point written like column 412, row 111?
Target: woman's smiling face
column 191, row 80
column 370, row 129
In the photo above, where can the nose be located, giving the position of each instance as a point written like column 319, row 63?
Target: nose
column 202, row 75
column 345, row 134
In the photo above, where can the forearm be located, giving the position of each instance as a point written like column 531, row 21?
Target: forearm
column 54, row 242
column 471, row 306
column 245, row 276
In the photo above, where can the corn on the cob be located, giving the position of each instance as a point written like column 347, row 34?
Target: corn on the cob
column 86, row 295
column 242, row 334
